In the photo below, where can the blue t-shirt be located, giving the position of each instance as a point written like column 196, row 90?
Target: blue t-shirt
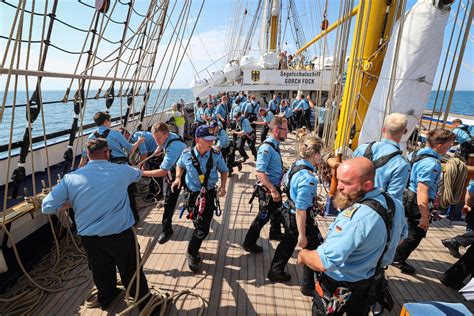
column 148, row 146
column 461, row 136
column 192, row 176
column 393, row 176
column 427, row 171
column 303, row 186
column 223, row 140
column 269, row 161
column 98, row 193
column 117, row 143
column 172, row 151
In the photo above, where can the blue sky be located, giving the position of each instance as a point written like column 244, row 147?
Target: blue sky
column 207, row 45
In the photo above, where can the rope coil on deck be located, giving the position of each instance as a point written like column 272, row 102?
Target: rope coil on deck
column 451, row 187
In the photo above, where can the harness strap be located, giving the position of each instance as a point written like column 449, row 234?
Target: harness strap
column 382, row 161
column 197, row 166
column 103, row 135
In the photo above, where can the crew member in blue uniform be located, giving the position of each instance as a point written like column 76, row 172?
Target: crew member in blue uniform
column 250, row 110
column 299, row 106
column 221, row 111
column 349, row 257
column 120, row 151
column 286, row 112
column 225, row 146
column 266, row 117
column 119, row 146
column 147, row 149
column 98, row 194
column 245, row 134
column 300, row 226
column 304, row 112
column 236, row 108
column 273, row 105
column 269, row 170
column 392, row 169
column 422, row 188
column 202, row 166
column 172, row 146
column 463, row 138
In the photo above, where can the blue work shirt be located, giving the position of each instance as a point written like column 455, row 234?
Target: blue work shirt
column 426, row 171
column 98, row 193
column 355, row 241
column 322, row 114
column 272, row 105
column 269, row 161
column 470, row 187
column 235, row 109
column 148, row 146
column 172, row 152
column 303, row 186
column 221, row 110
column 294, row 104
column 223, row 140
column 461, row 136
column 244, row 124
column 116, row 142
column 393, row 176
column 268, row 117
column 198, row 117
column 286, row 110
column 192, row 176
column 210, row 112
column 302, row 105
column 252, row 108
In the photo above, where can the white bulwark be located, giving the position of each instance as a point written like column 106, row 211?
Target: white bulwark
column 272, row 79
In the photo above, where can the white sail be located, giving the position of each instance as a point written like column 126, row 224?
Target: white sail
column 418, row 58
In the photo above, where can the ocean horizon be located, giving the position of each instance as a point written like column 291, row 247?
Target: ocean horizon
column 59, row 116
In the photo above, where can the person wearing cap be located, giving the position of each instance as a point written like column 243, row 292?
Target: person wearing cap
column 120, row 150
column 201, row 166
column 172, row 146
column 245, row 133
column 267, row 116
column 224, row 146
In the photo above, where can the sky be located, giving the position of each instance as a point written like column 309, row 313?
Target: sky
column 208, row 44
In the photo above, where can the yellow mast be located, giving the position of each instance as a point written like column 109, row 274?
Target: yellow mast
column 274, row 24
column 373, row 24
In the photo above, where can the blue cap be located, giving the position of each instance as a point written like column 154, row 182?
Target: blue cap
column 203, row 132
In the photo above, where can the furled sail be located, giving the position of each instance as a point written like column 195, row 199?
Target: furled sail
column 418, row 57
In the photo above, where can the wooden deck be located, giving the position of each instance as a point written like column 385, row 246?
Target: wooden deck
column 234, row 281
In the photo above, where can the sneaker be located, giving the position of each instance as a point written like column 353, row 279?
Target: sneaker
column 252, row 248
column 194, row 263
column 404, row 267
column 452, row 246
column 278, row 276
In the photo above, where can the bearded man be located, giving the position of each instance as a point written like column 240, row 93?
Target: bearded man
column 363, row 237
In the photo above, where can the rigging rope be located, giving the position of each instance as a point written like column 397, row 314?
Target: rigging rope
column 454, row 177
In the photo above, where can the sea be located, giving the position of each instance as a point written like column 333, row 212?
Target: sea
column 59, row 116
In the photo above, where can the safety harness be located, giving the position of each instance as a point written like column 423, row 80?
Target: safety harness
column 382, row 161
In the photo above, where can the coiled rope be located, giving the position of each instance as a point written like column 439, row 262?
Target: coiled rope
column 452, row 185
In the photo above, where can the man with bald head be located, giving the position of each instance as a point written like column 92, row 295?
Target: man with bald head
column 392, row 169
column 358, row 241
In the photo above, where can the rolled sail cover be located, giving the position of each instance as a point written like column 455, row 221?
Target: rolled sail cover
column 418, row 58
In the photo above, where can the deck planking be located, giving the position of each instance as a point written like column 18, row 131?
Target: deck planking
column 234, row 282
